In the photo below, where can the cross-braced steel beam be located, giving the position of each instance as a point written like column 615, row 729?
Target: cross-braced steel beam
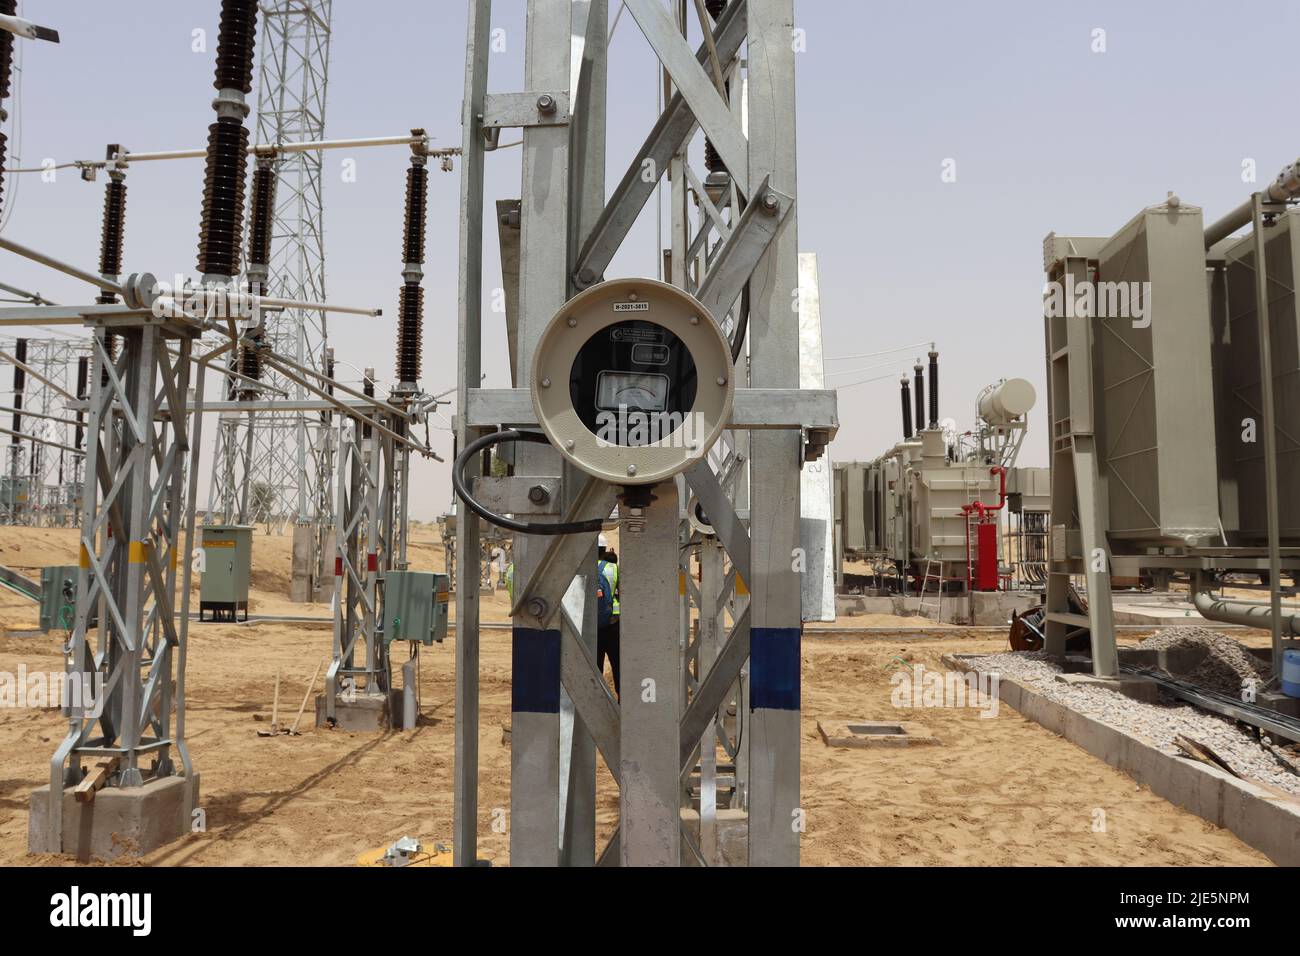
column 125, row 650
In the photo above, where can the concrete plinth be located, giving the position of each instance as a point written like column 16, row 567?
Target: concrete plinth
column 994, row 608
column 301, row 586
column 981, row 609
column 1139, row 688
column 118, row 822
column 732, row 828
column 364, row 714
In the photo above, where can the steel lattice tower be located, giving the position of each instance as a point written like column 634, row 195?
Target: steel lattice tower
column 282, row 472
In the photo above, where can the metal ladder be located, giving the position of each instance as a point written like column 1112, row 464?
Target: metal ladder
column 926, row 578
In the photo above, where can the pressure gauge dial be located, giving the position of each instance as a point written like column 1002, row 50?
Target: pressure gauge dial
column 632, row 381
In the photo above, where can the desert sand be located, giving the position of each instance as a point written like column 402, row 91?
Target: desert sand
column 994, row 791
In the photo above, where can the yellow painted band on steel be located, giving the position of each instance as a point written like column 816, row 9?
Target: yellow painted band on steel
column 681, row 583
column 137, row 552
column 84, row 559
column 740, row 586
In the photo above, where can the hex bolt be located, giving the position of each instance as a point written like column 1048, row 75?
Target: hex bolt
column 721, row 380
column 546, row 383
column 695, row 320
column 631, row 469
column 771, row 203
column 569, row 444
column 546, row 103
column 537, row 607
column 538, row 494
column 573, row 323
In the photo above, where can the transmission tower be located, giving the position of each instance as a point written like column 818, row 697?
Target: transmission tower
column 279, row 470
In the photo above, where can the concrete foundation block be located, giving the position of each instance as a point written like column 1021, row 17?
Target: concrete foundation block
column 118, row 822
column 362, row 714
column 994, row 608
column 732, row 827
column 301, row 587
column 865, row 734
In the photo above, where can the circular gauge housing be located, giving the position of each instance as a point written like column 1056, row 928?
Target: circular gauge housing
column 632, row 381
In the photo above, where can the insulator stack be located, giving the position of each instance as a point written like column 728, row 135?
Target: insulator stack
column 250, row 363
column 83, row 377
column 20, row 382
column 326, row 416
column 236, row 37
column 9, row 8
column 712, row 158
column 907, row 409
column 409, row 324
column 223, row 198
column 410, row 318
column 4, row 150
column 934, row 389
column 368, row 389
column 262, row 205
column 6, row 76
column 919, row 395
column 223, row 184
column 112, row 232
column 417, row 187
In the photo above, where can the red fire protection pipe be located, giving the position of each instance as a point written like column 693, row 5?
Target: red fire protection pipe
column 982, row 510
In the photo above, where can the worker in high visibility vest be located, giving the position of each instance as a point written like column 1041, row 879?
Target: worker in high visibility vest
column 607, row 609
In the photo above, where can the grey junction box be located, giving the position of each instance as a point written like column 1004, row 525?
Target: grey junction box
column 415, row 606
column 228, row 556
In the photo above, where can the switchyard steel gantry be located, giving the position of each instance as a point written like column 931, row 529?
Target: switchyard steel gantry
column 127, row 648
column 723, row 323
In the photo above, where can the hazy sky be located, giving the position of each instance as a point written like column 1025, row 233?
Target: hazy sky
column 1045, row 132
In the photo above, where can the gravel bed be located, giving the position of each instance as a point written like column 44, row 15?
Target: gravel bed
column 1156, row 723
column 1227, row 666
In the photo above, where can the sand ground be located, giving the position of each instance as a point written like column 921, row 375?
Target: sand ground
column 995, row 791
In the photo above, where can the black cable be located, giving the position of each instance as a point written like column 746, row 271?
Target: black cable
column 522, row 527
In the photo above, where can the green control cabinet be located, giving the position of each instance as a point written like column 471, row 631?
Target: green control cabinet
column 415, row 606
column 228, row 558
column 58, row 598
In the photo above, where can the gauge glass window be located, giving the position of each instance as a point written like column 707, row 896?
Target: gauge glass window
column 633, row 391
